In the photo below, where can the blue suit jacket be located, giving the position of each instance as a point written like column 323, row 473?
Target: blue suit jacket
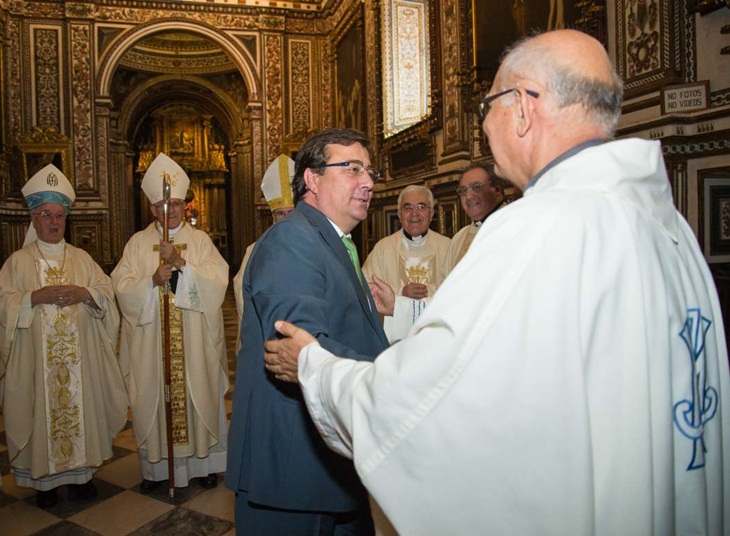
column 299, row 271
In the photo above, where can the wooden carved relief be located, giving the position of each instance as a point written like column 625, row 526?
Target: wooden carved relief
column 274, row 91
column 301, row 94
column 14, row 105
column 86, row 235
column 454, row 138
column 47, row 77
column 81, row 98
column 648, row 40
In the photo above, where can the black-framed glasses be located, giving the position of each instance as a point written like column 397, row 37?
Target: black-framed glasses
column 47, row 215
column 482, row 108
column 355, row 168
column 474, row 187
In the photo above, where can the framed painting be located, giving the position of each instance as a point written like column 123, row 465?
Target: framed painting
column 350, row 75
column 446, row 215
column 501, row 23
column 391, row 220
column 715, row 220
column 43, row 146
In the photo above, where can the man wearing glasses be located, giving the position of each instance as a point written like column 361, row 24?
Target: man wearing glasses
column 198, row 277
column 413, row 261
column 571, row 374
column 304, row 268
column 61, row 388
column 480, row 194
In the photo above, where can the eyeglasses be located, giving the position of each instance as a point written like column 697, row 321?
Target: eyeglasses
column 47, row 215
column 485, row 104
column 355, row 168
column 420, row 207
column 474, row 187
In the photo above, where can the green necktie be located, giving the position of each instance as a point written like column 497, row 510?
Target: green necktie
column 352, row 252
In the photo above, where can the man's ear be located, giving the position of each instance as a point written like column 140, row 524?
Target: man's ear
column 525, row 112
column 311, row 179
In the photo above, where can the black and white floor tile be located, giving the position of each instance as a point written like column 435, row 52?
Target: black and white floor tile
column 120, row 509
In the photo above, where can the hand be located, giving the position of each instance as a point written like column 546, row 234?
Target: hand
column 383, row 296
column 417, row 291
column 162, row 274
column 282, row 355
column 60, row 295
column 170, row 255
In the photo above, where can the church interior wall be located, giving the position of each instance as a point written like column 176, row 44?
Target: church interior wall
column 278, row 74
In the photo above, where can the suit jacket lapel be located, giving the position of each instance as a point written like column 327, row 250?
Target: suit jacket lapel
column 328, row 233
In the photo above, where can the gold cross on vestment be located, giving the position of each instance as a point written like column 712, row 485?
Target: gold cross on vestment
column 178, row 247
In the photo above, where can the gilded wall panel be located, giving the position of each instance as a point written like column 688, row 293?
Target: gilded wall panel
column 406, row 64
column 81, row 99
column 273, row 51
column 102, row 167
column 231, row 20
column 47, row 77
column 15, row 103
column 453, row 139
column 326, row 88
column 299, row 81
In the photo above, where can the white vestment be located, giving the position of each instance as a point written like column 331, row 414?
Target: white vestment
column 201, row 289
column 570, row 378
column 398, row 261
column 61, row 387
column 461, row 242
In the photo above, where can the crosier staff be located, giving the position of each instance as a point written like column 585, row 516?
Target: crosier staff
column 166, row 189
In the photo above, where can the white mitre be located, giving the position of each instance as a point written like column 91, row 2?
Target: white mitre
column 161, row 167
column 276, row 184
column 49, row 185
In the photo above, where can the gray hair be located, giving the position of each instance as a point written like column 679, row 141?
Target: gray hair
column 601, row 100
column 416, row 189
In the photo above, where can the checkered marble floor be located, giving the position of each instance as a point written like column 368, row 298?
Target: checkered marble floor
column 120, row 508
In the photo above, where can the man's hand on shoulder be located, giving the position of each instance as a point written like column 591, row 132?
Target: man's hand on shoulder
column 281, row 355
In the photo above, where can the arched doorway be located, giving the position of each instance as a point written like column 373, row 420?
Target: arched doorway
column 184, row 91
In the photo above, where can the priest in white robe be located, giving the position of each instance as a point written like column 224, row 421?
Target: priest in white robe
column 197, row 340
column 413, row 261
column 61, row 387
column 481, row 194
column 571, row 375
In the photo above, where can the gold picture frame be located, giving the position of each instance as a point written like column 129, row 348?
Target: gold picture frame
column 43, row 146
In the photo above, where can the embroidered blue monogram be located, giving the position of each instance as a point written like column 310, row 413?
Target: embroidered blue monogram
column 691, row 416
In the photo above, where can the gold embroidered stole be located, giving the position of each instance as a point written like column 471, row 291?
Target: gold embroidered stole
column 62, row 376
column 178, row 388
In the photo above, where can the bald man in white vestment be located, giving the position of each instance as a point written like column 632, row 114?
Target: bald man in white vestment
column 570, row 377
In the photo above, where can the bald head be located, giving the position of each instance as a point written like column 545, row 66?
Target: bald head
column 552, row 92
column 576, row 71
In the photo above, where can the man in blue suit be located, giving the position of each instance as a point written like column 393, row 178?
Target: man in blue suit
column 287, row 481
